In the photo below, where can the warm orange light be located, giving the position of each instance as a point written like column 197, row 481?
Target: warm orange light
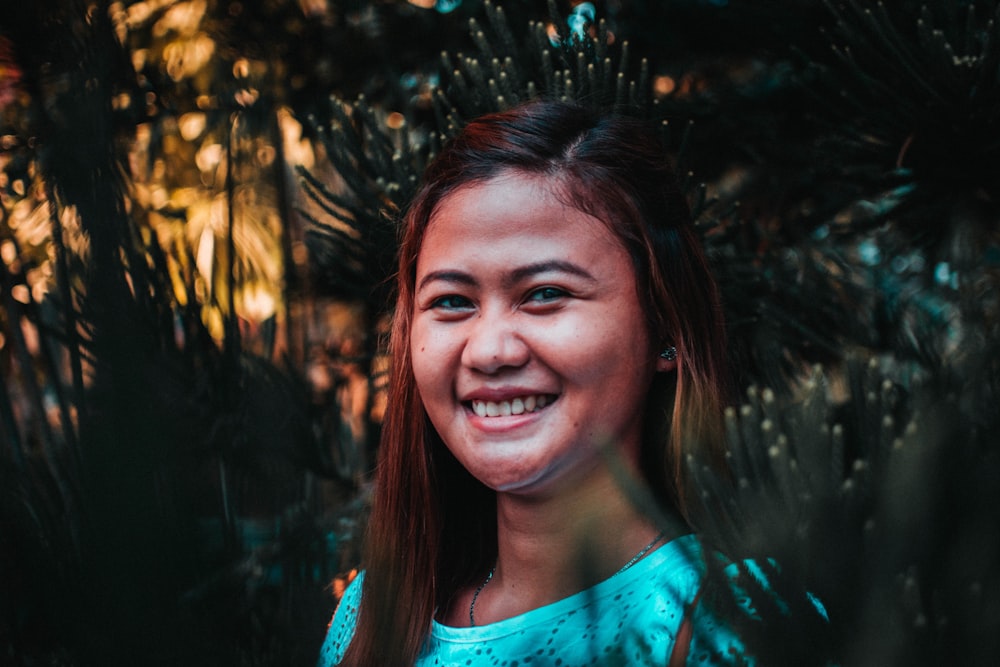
column 552, row 32
column 664, row 85
column 8, row 252
column 185, row 58
column 246, row 97
column 38, row 282
column 20, row 293
column 395, row 120
column 241, row 68
column 256, row 302
column 139, row 59
column 266, row 155
column 208, row 157
column 191, row 125
column 298, row 150
column 183, row 18
column 314, row 7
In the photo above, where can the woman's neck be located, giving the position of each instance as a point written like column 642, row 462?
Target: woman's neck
column 550, row 547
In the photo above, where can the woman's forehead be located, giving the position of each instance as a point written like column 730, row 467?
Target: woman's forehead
column 528, row 203
column 559, row 188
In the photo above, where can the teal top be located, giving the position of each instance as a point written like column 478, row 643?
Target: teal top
column 631, row 618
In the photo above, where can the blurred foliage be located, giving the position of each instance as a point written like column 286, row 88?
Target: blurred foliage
column 198, row 230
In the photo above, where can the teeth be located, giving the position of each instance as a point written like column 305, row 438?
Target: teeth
column 517, row 406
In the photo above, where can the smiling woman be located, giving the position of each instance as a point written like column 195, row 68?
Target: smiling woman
column 525, row 300
column 557, row 334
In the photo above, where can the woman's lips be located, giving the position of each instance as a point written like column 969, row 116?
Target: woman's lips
column 518, row 405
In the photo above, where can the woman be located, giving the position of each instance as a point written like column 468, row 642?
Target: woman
column 557, row 343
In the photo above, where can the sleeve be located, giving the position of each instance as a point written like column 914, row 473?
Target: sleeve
column 338, row 637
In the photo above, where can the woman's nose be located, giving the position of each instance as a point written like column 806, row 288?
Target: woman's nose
column 494, row 343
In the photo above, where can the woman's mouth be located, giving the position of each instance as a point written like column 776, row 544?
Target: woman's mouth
column 515, row 406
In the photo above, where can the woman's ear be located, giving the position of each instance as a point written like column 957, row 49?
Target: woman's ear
column 667, row 359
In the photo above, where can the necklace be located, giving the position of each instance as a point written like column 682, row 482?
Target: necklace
column 475, row 596
column 489, row 577
column 642, row 552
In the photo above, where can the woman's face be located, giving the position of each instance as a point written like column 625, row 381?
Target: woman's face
column 530, row 349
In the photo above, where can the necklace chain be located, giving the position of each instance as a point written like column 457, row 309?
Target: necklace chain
column 475, row 596
column 489, row 577
column 642, row 552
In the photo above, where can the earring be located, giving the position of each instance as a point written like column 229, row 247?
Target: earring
column 669, row 353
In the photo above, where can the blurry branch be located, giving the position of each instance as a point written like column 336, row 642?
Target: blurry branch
column 910, row 95
column 567, row 58
column 354, row 244
column 117, row 402
column 866, row 480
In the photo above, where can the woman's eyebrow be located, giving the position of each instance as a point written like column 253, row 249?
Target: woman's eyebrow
column 448, row 276
column 552, row 265
column 510, row 279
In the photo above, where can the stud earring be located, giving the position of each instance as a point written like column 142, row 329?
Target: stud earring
column 669, row 353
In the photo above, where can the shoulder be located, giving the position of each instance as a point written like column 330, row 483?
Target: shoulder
column 342, row 626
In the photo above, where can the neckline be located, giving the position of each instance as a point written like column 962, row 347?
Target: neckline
column 635, row 559
column 686, row 549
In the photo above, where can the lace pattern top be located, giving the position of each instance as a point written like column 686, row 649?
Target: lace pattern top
column 631, row 618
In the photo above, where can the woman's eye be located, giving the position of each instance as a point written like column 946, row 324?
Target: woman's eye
column 545, row 294
column 451, row 302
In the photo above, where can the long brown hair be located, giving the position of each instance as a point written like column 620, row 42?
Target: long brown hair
column 433, row 526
